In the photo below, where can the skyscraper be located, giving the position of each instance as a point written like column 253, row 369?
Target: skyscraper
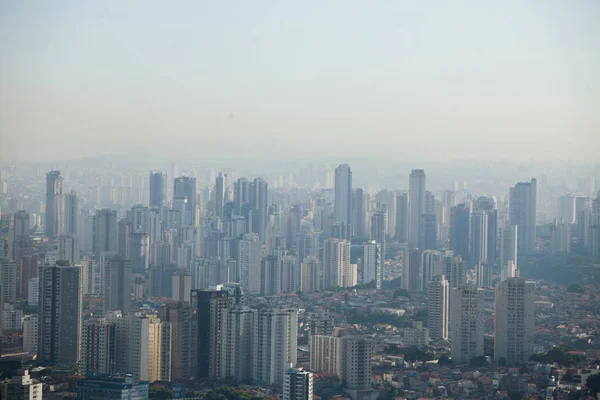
column 454, row 271
column 118, row 285
column 427, row 232
column 249, row 262
column 416, row 204
column 275, row 344
column 372, row 260
column 68, row 248
column 297, row 384
column 336, row 261
column 185, row 187
column 181, row 316
column 343, row 197
column 59, row 313
column 466, row 321
column 105, row 232
column 310, row 275
column 158, row 189
column 508, row 245
column 159, row 350
column 359, row 213
column 220, row 185
column 479, row 237
column 98, row 347
column 378, row 228
column 402, row 217
column 258, row 205
column 132, row 332
column 239, row 349
column 522, row 212
column 211, row 317
column 515, row 320
column 437, row 307
column 356, row 355
column 71, row 213
column 54, row 204
column 241, row 189
column 460, row 220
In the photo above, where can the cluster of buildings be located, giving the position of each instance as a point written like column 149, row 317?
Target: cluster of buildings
column 211, row 283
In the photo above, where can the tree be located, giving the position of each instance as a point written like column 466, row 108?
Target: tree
column 444, row 360
column 488, row 346
column 160, row 392
column 402, row 293
column 502, row 362
column 593, row 384
column 479, row 362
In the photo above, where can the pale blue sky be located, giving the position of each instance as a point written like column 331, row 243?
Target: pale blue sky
column 411, row 80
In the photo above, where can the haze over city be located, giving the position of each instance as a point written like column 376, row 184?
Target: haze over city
column 420, row 81
column 345, row 200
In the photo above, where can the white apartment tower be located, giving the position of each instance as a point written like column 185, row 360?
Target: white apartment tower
column 275, row 342
column 437, row 307
column 297, row 384
column 467, row 319
column 336, row 261
column 515, row 320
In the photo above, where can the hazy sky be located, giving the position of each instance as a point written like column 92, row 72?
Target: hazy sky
column 428, row 80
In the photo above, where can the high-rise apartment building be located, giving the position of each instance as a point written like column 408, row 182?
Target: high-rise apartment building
column 159, row 350
column 183, row 339
column 560, row 240
column 211, row 322
column 258, row 203
column 310, row 275
column 454, row 271
column 241, row 189
column 105, row 232
column 297, row 384
column 59, row 313
column 275, row 344
column 372, row 261
column 343, row 198
column 54, row 225
column 467, row 323
column 158, row 189
column 356, row 355
column 220, row 187
column 185, row 188
column 98, row 347
column 416, row 204
column 522, row 212
column 515, row 320
column 326, row 354
column 412, row 272
column 378, row 235
column 508, row 245
column 248, row 262
column 71, row 213
column 479, row 237
column 427, row 232
column 460, row 221
column 336, row 261
column 402, row 217
column 437, row 307
column 360, row 203
column 132, row 335
column 239, row 343
column 118, row 285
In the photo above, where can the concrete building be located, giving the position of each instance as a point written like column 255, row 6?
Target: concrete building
column 515, row 320
column 336, row 261
column 159, row 350
column 522, row 212
column 158, row 189
column 437, row 307
column 22, row 387
column 98, row 347
column 509, row 245
column 416, row 204
column 310, row 275
column 466, row 320
column 239, row 344
column 372, row 261
column 185, row 188
column 357, row 352
column 402, row 217
column 342, row 210
column 30, row 334
column 59, row 313
column 460, row 225
column 112, row 387
column 325, row 354
column 297, row 384
column 479, row 237
column 54, row 224
column 132, row 344
column 180, row 316
column 416, row 335
column 249, row 262
column 275, row 344
column 211, row 321
column 181, row 285
column 118, row 285
column 105, row 232
column 378, row 235
column 560, row 241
